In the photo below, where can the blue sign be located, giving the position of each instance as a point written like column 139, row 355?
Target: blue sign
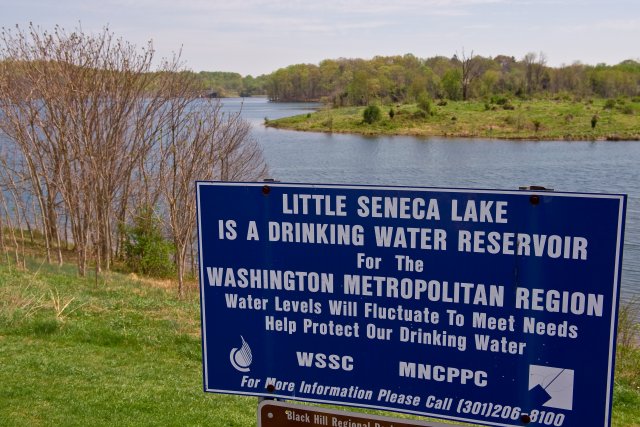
column 492, row 307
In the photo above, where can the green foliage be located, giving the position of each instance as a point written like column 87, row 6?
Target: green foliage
column 220, row 82
column 628, row 109
column 564, row 96
column 146, row 249
column 231, row 84
column 609, row 104
column 424, row 103
column 499, row 100
column 329, row 123
column 452, row 84
column 400, row 79
column 372, row 114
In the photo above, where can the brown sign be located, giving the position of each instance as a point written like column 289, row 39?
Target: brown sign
column 272, row 413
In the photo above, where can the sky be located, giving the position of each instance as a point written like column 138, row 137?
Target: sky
column 257, row 37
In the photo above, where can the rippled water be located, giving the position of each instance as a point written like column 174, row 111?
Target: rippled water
column 584, row 166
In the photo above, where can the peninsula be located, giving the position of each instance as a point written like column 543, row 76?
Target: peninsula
column 548, row 119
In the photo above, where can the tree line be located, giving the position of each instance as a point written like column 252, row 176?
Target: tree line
column 403, row 79
column 91, row 138
column 228, row 84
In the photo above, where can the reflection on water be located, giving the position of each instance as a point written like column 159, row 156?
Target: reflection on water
column 606, row 167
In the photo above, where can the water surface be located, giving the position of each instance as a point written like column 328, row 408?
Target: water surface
column 582, row 166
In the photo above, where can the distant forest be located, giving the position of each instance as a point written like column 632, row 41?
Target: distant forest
column 403, row 79
column 227, row 84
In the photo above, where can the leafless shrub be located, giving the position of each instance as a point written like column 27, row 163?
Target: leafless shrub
column 93, row 133
column 201, row 143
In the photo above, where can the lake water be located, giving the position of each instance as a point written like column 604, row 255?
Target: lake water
column 605, row 167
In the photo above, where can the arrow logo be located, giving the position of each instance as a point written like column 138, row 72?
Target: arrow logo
column 551, row 387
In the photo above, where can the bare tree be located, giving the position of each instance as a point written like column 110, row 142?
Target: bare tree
column 534, row 70
column 471, row 70
column 83, row 110
column 201, row 143
column 96, row 135
column 14, row 211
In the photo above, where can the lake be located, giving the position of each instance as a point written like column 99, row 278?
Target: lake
column 582, row 166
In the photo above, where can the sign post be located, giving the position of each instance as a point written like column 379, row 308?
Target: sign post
column 492, row 307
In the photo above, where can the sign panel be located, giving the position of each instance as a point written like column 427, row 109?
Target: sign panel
column 284, row 414
column 493, row 307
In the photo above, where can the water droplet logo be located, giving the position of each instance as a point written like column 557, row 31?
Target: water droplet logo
column 241, row 357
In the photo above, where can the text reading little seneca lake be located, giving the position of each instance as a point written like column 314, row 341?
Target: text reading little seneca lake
column 416, row 238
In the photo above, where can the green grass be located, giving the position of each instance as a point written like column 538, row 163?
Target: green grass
column 535, row 119
column 126, row 352
column 122, row 353
column 626, row 392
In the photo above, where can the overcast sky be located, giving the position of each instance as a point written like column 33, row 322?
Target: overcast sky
column 257, row 37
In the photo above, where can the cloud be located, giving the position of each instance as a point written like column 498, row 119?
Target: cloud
column 333, row 8
column 617, row 25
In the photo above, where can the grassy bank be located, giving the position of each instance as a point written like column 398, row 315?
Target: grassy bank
column 124, row 352
column 502, row 118
column 127, row 352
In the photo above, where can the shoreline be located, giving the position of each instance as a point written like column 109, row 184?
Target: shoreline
column 534, row 120
column 577, row 138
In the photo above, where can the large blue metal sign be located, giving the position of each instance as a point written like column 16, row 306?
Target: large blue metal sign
column 494, row 307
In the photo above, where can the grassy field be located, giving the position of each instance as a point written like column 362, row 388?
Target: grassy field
column 126, row 351
column 506, row 119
